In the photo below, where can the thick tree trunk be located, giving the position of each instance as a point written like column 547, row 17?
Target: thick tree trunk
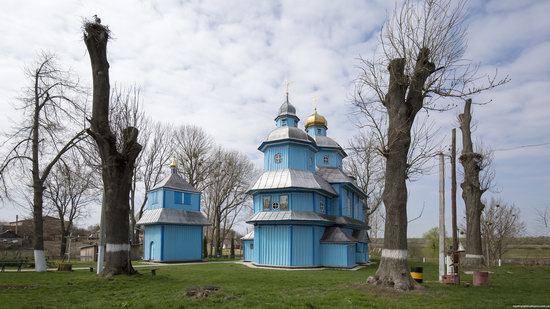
column 117, row 167
column 471, row 192
column 403, row 101
column 38, row 226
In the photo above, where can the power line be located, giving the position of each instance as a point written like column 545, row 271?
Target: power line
column 522, row 146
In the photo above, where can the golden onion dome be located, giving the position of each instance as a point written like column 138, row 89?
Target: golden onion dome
column 315, row 119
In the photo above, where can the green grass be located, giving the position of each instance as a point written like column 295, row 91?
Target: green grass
column 242, row 287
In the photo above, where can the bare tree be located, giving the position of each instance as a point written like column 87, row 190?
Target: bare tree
column 118, row 155
column 158, row 146
column 225, row 195
column 51, row 107
column 194, row 150
column 367, row 166
column 543, row 218
column 419, row 61
column 69, row 191
column 501, row 223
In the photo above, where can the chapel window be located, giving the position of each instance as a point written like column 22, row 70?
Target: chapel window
column 283, row 202
column 267, row 201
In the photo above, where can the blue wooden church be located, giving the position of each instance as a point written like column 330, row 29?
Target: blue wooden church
column 307, row 211
column 173, row 223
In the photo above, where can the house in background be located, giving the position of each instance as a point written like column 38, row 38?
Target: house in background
column 307, row 211
column 173, row 223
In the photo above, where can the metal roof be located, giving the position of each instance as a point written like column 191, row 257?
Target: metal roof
column 288, row 132
column 249, row 236
column 347, row 221
column 287, row 109
column 327, row 142
column 172, row 216
column 361, row 235
column 336, row 235
column 336, row 175
column 287, row 216
column 291, row 178
column 175, row 181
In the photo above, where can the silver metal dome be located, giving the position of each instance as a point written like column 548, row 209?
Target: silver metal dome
column 289, row 133
column 287, row 109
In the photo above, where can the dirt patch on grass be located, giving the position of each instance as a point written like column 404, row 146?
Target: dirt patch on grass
column 16, row 286
column 200, row 292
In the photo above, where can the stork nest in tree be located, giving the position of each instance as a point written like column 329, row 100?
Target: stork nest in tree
column 95, row 30
column 471, row 156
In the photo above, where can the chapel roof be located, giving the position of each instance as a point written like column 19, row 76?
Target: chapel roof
column 172, row 216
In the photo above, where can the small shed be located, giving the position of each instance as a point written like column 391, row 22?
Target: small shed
column 248, row 246
column 88, row 253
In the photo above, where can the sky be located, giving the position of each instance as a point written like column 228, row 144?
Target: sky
column 221, row 65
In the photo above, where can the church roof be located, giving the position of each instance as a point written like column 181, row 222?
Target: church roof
column 347, row 222
column 361, row 235
column 249, row 236
column 172, row 216
column 288, row 133
column 176, row 182
column 287, row 216
column 287, row 109
column 327, row 142
column 291, row 178
column 336, row 175
column 336, row 235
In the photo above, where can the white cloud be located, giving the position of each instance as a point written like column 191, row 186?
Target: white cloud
column 221, row 65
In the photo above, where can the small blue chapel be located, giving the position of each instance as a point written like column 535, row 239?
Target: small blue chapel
column 173, row 223
column 307, row 211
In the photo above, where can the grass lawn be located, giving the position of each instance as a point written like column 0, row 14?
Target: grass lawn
column 242, row 287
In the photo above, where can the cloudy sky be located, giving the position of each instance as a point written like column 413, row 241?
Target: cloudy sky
column 221, row 65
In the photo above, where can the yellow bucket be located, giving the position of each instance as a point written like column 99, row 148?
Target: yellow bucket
column 417, row 274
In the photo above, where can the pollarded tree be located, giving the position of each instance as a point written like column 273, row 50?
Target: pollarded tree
column 51, row 125
column 118, row 154
column 478, row 177
column 420, row 59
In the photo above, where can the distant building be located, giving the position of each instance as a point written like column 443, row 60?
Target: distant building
column 173, row 223
column 88, row 253
column 307, row 211
column 24, row 228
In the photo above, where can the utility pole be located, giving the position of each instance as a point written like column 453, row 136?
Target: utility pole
column 441, row 217
column 455, row 254
column 453, row 189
